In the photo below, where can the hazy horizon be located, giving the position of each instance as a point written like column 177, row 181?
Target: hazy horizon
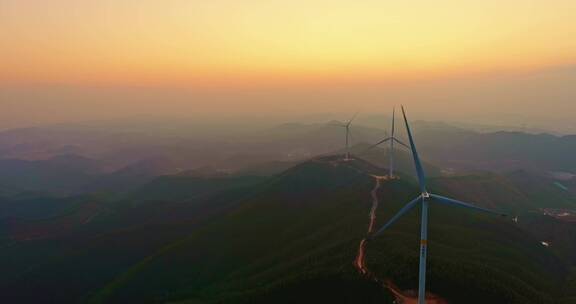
column 486, row 62
column 530, row 99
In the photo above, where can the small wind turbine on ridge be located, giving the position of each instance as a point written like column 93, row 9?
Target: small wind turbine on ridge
column 348, row 134
column 391, row 139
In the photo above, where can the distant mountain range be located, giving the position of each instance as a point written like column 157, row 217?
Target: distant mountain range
column 442, row 144
column 73, row 174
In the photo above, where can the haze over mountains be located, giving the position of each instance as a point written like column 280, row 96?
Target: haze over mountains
column 271, row 214
column 92, row 157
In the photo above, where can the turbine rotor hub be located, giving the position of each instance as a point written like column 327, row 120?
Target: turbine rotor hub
column 425, row 194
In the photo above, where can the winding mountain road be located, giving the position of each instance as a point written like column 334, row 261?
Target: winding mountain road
column 360, row 261
column 360, row 257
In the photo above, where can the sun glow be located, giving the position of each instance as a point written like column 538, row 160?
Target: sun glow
column 131, row 42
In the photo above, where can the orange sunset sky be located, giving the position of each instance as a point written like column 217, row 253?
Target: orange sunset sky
column 83, row 58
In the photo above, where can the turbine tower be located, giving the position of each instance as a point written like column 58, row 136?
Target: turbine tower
column 424, row 199
column 391, row 139
column 348, row 134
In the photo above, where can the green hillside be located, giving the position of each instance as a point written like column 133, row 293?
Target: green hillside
column 301, row 233
column 290, row 238
column 518, row 192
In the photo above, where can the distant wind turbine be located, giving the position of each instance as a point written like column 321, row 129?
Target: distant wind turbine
column 391, row 139
column 423, row 199
column 348, row 134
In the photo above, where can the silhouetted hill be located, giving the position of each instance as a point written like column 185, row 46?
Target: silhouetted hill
column 62, row 174
column 179, row 187
column 517, row 192
column 230, row 148
column 402, row 159
column 73, row 174
column 505, row 151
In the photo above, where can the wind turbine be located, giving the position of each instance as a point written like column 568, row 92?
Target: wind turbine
column 391, row 139
column 347, row 126
column 423, row 199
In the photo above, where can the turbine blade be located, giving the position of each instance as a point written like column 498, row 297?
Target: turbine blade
column 378, row 143
column 337, row 124
column 393, row 114
column 417, row 164
column 398, row 215
column 351, row 119
column 453, row 202
column 400, row 142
